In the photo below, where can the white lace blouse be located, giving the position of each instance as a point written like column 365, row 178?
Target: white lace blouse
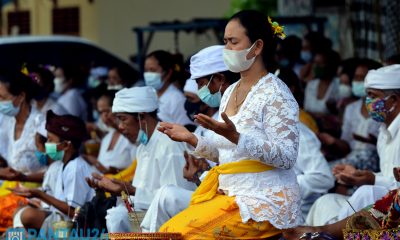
column 21, row 152
column 267, row 123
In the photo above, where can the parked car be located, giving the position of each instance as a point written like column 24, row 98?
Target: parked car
column 58, row 51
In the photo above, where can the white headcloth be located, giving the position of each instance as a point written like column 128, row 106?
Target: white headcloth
column 135, row 100
column 387, row 77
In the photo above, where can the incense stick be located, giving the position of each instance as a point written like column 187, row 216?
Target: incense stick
column 351, row 206
column 129, row 200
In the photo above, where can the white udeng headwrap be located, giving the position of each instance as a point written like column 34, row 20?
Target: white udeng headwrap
column 207, row 61
column 135, row 100
column 384, row 78
column 190, row 86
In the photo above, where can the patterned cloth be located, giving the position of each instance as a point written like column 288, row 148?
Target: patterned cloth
column 375, row 25
column 392, row 25
column 367, row 24
column 386, row 210
column 221, row 220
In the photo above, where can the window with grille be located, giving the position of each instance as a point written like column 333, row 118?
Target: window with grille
column 19, row 22
column 66, row 21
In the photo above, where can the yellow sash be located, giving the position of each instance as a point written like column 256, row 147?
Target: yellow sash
column 125, row 175
column 209, row 187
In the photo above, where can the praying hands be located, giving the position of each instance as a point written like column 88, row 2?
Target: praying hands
column 226, row 128
column 348, row 175
column 25, row 192
column 109, row 185
column 181, row 134
column 194, row 167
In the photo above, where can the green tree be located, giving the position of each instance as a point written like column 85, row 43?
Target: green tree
column 268, row 7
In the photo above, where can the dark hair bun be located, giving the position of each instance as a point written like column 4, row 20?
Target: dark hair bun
column 17, row 83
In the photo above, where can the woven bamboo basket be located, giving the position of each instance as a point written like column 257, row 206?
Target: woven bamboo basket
column 62, row 228
column 137, row 218
column 371, row 229
column 145, row 236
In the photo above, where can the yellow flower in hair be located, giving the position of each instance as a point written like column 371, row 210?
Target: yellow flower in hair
column 177, row 68
column 24, row 70
column 34, row 76
column 277, row 29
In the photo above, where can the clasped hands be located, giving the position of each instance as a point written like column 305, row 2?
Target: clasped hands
column 346, row 174
column 112, row 186
column 22, row 191
column 193, row 167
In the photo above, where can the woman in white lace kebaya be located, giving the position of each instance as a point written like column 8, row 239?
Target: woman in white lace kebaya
column 253, row 193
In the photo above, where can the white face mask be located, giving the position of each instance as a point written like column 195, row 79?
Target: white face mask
column 344, row 91
column 236, row 61
column 153, row 79
column 59, row 85
column 115, row 87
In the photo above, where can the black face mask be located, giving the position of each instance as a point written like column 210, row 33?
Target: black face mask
column 192, row 109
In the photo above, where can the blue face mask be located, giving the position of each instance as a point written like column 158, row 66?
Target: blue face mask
column 142, row 137
column 284, row 62
column 41, row 157
column 306, row 56
column 358, row 88
column 51, row 151
column 95, row 115
column 8, row 108
column 153, row 79
column 212, row 100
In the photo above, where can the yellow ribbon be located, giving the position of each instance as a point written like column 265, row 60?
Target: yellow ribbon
column 209, row 187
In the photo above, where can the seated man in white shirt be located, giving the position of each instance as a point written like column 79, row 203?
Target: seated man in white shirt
column 64, row 137
column 383, row 104
column 116, row 151
column 159, row 159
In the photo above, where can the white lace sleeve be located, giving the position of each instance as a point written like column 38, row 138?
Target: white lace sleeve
column 206, row 149
column 279, row 120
